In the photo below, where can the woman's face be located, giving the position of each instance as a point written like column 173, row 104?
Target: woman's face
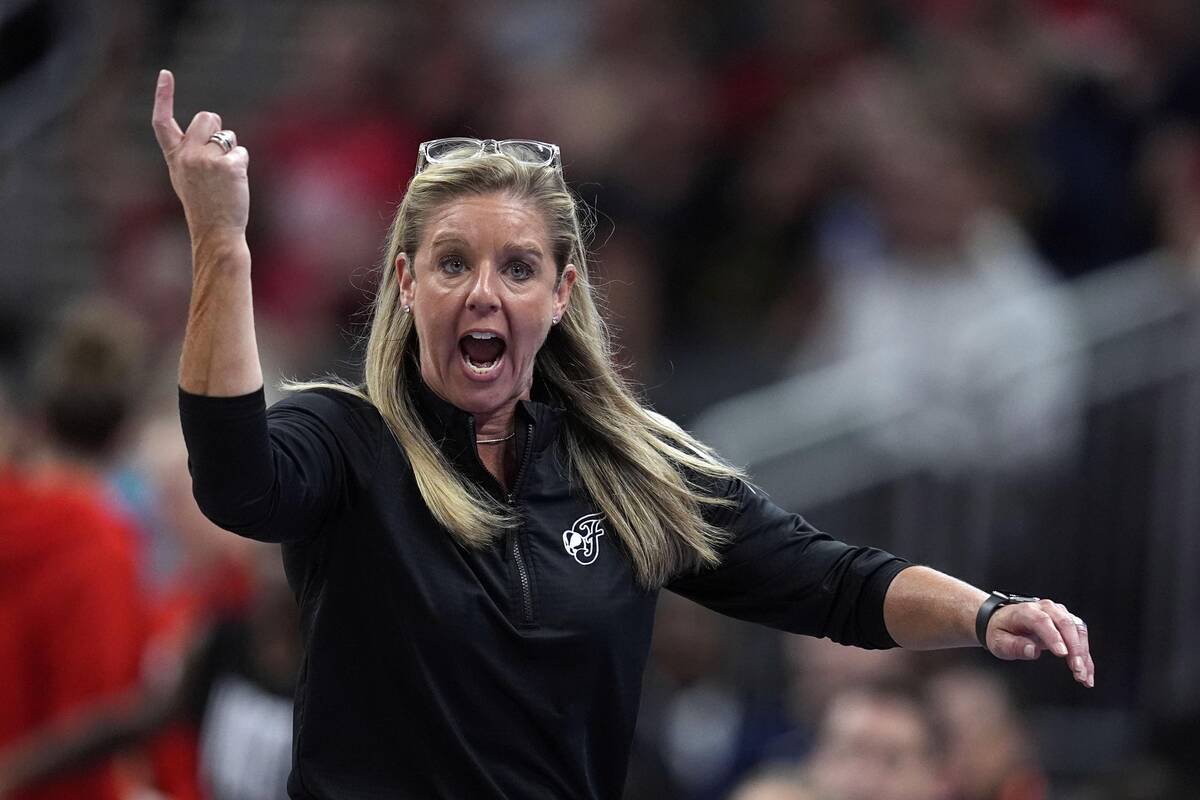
column 483, row 288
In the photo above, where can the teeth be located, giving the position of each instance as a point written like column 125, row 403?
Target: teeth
column 482, row 370
column 476, row 335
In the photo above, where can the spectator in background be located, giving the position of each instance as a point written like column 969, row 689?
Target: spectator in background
column 1171, row 177
column 777, row 784
column 195, row 570
column 72, row 614
column 193, row 573
column 701, row 729
column 936, row 294
column 327, row 197
column 818, row 670
column 879, row 742
column 989, row 755
column 693, row 720
column 1116, row 64
column 232, row 679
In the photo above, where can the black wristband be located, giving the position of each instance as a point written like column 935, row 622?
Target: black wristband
column 991, row 605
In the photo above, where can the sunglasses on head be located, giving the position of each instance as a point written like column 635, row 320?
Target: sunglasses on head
column 461, row 148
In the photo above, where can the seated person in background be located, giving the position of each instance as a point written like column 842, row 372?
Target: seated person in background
column 990, row 755
column 879, row 742
column 775, row 784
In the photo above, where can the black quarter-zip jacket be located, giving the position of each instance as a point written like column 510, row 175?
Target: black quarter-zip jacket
column 512, row 671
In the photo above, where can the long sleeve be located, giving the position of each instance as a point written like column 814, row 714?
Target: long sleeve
column 278, row 475
column 778, row 570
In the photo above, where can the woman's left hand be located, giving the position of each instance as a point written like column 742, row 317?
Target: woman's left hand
column 1022, row 631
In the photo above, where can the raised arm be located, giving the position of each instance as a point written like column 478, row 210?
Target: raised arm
column 220, row 354
column 926, row 610
column 275, row 482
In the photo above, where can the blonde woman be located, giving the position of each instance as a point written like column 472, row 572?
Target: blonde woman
column 476, row 535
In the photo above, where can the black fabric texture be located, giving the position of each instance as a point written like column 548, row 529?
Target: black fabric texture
column 511, row 671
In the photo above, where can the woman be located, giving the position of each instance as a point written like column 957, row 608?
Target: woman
column 476, row 535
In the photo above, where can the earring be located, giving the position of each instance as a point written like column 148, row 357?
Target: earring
column 407, row 309
column 554, row 320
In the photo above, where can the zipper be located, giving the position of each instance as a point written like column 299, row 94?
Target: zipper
column 515, row 536
column 523, row 574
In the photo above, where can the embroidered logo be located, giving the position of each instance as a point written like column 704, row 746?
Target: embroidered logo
column 583, row 540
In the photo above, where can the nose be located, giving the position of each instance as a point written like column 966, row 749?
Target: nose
column 484, row 297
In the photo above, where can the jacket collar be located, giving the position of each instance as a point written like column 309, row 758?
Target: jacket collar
column 454, row 429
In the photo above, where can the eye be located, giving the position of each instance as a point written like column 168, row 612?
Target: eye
column 520, row 270
column 451, row 265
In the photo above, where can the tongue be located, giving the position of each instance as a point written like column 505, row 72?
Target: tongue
column 482, row 351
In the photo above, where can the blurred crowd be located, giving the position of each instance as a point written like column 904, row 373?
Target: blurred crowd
column 776, row 187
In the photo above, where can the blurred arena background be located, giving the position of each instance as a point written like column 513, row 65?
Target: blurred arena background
column 929, row 268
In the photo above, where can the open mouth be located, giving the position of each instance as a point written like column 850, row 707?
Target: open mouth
column 482, row 352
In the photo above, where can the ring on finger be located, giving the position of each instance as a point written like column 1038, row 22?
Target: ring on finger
column 223, row 139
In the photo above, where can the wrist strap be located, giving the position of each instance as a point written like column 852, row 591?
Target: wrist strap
column 993, row 603
column 984, row 616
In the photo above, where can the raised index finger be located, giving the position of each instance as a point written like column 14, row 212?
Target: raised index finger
column 166, row 129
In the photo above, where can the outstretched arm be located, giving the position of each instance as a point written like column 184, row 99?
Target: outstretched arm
column 220, row 354
column 926, row 610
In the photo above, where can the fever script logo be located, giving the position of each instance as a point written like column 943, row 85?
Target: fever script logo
column 583, row 540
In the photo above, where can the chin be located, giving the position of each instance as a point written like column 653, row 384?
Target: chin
column 476, row 400
column 482, row 397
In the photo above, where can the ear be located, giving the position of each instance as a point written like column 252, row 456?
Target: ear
column 562, row 292
column 406, row 279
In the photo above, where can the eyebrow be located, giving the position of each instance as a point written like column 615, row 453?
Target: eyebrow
column 529, row 248
column 447, row 238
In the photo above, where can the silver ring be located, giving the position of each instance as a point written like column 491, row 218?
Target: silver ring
column 224, row 139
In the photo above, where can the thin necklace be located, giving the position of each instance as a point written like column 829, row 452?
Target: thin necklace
column 496, row 441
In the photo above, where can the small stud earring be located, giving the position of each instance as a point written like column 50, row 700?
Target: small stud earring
column 407, row 309
column 554, row 320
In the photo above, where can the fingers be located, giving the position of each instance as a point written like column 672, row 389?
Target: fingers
column 241, row 158
column 1066, row 640
column 166, row 129
column 1077, row 654
column 208, row 175
column 1045, row 626
column 1029, row 628
column 1014, row 647
column 201, row 128
column 1089, row 664
column 224, row 140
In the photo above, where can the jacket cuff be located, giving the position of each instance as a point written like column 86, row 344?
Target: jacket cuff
column 875, row 591
column 202, row 407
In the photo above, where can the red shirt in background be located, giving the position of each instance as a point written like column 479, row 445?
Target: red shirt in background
column 72, row 614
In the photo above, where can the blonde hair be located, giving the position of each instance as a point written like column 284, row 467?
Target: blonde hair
column 650, row 478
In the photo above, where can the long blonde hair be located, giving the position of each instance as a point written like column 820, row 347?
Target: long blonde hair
column 650, row 478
